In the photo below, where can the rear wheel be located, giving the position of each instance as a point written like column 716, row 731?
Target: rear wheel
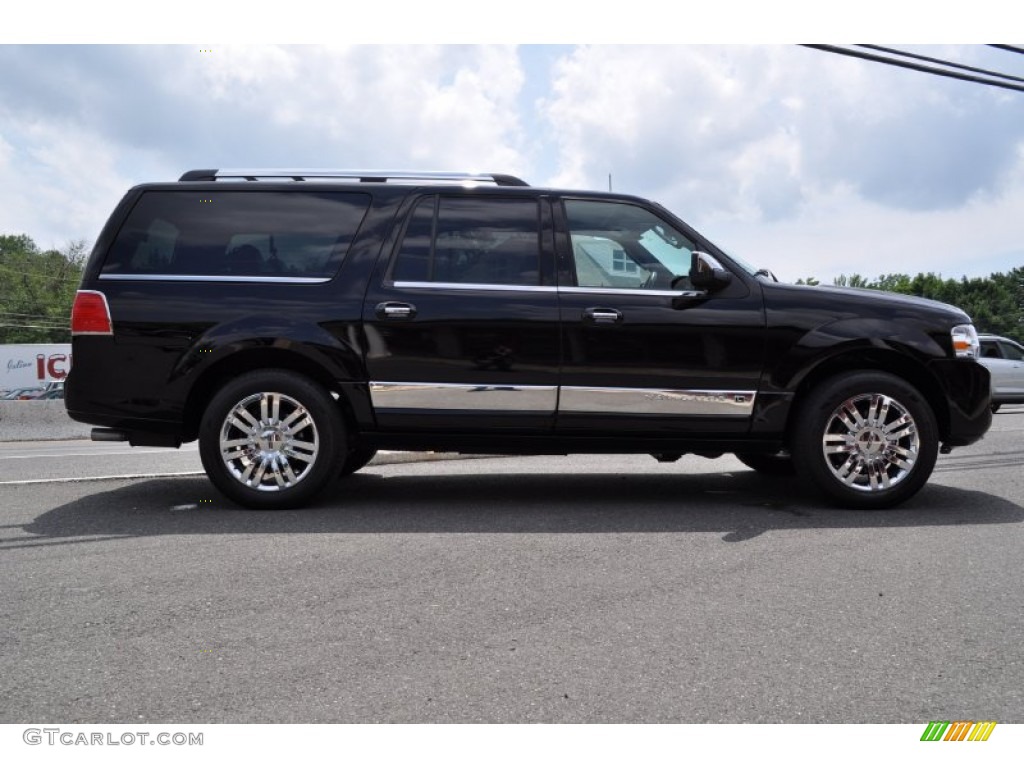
column 271, row 440
column 866, row 440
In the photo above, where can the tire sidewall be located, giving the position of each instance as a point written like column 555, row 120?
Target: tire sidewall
column 769, row 464
column 321, row 408
column 815, row 414
column 357, row 458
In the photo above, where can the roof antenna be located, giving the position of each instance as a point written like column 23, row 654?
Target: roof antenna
column 609, row 182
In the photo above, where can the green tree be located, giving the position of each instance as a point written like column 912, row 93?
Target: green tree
column 995, row 303
column 37, row 289
column 894, row 283
column 853, row 281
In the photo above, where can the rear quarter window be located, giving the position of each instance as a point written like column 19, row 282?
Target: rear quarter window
column 237, row 234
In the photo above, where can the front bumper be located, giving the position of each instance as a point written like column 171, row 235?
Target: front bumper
column 968, row 390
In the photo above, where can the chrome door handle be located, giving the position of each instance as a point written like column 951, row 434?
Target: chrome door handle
column 395, row 310
column 602, row 315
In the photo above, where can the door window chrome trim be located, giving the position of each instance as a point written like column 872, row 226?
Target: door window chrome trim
column 417, row 284
column 391, row 395
column 656, row 402
column 162, row 278
column 629, row 292
column 473, row 286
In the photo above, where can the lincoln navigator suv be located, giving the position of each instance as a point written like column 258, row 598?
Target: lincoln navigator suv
column 295, row 322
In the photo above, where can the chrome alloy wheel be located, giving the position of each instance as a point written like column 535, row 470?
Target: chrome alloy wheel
column 269, row 441
column 871, row 442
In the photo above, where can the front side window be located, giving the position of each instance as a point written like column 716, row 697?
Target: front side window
column 471, row 241
column 617, row 245
column 990, row 349
column 245, row 234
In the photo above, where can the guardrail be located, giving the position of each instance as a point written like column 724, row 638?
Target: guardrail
column 38, row 420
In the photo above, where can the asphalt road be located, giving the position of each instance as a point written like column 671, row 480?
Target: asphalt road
column 576, row 589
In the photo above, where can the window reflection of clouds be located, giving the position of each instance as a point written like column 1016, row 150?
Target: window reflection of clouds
column 295, row 233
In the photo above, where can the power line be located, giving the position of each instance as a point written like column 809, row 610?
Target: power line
column 43, row 276
column 943, row 62
column 40, row 327
column 24, row 324
column 39, row 317
column 920, row 67
column 29, row 315
column 1011, row 48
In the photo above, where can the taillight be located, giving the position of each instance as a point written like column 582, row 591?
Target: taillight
column 90, row 314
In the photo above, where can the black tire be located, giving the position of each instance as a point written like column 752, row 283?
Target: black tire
column 881, row 437
column 357, row 459
column 779, row 464
column 272, row 439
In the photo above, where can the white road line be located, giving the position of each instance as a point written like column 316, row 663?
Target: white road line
column 93, row 453
column 101, row 477
column 100, row 452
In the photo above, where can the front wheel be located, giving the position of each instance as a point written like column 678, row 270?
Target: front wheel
column 769, row 463
column 867, row 440
column 272, row 439
column 357, row 459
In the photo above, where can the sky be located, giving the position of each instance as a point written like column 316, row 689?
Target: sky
column 797, row 160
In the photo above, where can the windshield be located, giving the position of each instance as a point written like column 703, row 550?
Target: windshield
column 750, row 270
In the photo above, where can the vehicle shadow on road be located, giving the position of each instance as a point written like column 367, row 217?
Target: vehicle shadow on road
column 740, row 505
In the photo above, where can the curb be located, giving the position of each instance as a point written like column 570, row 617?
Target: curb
column 411, row 457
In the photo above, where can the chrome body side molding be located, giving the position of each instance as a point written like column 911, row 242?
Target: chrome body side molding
column 463, row 397
column 546, row 399
column 656, row 402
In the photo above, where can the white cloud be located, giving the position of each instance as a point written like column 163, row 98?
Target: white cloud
column 810, row 163
column 813, row 164
column 83, row 122
column 841, row 233
column 368, row 106
column 60, row 184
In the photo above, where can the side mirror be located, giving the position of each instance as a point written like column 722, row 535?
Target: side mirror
column 707, row 274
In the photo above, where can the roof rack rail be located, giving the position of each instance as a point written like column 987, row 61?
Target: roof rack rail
column 364, row 176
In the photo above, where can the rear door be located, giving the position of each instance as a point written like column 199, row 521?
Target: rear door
column 461, row 322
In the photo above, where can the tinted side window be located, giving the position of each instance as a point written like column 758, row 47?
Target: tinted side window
column 252, row 234
column 990, row 349
column 1011, row 351
column 617, row 245
column 416, row 257
column 467, row 240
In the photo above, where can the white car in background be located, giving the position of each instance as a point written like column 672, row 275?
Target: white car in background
column 1004, row 359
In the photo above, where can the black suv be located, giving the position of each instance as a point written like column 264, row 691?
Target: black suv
column 295, row 322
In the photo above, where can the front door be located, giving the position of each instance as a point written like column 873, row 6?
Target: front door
column 642, row 353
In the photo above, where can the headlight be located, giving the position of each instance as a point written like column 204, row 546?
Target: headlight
column 965, row 341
